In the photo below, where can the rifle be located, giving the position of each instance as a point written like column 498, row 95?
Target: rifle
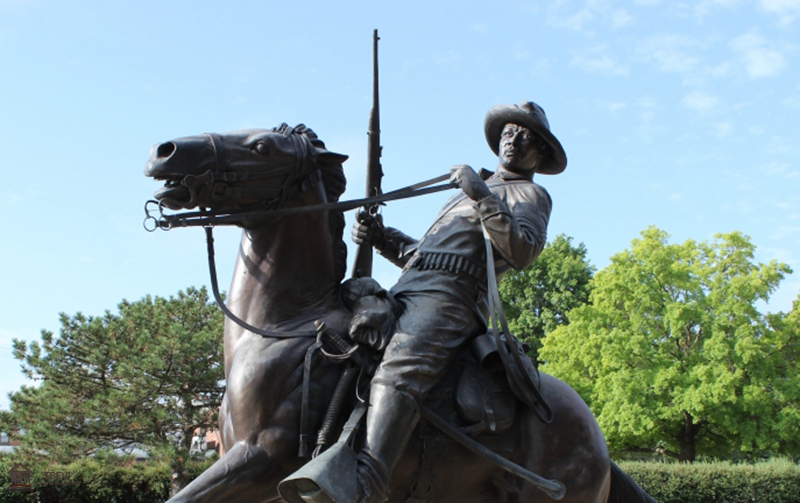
column 362, row 266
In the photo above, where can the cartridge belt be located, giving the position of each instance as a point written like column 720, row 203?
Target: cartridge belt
column 450, row 262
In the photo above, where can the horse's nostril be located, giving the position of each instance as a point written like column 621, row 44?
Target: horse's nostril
column 165, row 149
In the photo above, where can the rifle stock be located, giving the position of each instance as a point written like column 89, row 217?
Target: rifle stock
column 363, row 261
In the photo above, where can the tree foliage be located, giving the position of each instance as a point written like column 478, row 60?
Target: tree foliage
column 786, row 386
column 146, row 377
column 673, row 354
column 536, row 300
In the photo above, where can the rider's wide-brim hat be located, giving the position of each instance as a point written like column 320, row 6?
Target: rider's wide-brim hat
column 532, row 116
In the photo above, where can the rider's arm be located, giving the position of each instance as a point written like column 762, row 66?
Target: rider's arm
column 392, row 244
column 520, row 232
column 396, row 247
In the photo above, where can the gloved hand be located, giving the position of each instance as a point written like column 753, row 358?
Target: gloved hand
column 369, row 229
column 468, row 180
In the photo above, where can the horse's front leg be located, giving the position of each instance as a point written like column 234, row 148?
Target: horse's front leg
column 259, row 423
column 246, row 473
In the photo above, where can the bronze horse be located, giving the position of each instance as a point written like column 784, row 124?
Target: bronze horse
column 287, row 277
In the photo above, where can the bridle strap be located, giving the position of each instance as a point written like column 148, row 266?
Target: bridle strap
column 220, row 163
column 217, row 181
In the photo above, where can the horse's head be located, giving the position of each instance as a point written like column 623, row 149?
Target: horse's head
column 251, row 168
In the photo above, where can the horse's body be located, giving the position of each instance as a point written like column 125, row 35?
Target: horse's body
column 287, row 276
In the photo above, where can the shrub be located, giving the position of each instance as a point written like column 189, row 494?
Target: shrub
column 774, row 481
column 104, row 479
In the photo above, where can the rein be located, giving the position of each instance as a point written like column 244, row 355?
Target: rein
column 232, row 217
column 209, row 219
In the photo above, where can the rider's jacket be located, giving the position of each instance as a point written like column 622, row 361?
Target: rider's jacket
column 451, row 257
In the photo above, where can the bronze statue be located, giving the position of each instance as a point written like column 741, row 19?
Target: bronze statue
column 287, row 285
column 443, row 286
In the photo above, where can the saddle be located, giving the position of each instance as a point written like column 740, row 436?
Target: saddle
column 476, row 398
column 476, row 391
column 483, row 398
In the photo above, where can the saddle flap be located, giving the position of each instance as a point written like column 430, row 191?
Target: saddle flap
column 483, row 399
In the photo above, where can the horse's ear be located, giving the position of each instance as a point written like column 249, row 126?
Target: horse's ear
column 328, row 158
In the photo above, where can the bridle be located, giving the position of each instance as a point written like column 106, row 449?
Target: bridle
column 218, row 181
column 300, row 176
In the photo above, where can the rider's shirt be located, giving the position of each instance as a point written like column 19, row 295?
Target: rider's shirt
column 451, row 257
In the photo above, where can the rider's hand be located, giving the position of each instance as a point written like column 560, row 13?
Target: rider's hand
column 368, row 229
column 465, row 178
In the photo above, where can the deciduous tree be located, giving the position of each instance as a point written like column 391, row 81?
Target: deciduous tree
column 672, row 352
column 536, row 300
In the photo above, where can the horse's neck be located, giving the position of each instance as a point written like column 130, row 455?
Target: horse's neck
column 285, row 273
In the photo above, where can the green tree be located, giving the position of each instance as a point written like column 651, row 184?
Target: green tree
column 536, row 300
column 786, row 385
column 146, row 377
column 673, row 355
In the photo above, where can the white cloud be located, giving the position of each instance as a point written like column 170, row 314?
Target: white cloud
column 675, row 197
column 786, row 231
column 787, row 10
column 672, row 53
column 561, row 15
column 647, row 106
column 613, row 106
column 704, row 7
column 698, row 100
column 530, row 7
column 450, row 58
column 781, row 170
column 478, row 27
column 782, row 145
column 596, row 60
column 647, row 129
column 6, row 336
column 723, row 129
column 578, row 20
column 759, row 60
column 620, row 18
column 541, row 68
column 721, row 70
column 13, row 199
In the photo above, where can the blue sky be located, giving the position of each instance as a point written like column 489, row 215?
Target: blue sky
column 682, row 115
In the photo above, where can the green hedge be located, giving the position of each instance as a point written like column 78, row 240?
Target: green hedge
column 774, row 481
column 104, row 480
column 115, row 480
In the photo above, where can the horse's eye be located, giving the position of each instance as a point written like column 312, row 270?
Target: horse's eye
column 262, row 148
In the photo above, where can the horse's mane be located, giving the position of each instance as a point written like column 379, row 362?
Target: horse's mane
column 335, row 183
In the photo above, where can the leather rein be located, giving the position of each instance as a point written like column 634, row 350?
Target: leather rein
column 302, row 175
column 205, row 218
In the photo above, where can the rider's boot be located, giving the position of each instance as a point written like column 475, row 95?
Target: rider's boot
column 339, row 476
column 391, row 418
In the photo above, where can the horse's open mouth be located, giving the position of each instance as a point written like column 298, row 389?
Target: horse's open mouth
column 174, row 195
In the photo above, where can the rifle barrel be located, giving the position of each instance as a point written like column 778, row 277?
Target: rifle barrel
column 363, row 262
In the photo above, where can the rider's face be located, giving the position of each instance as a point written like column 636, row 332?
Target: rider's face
column 520, row 149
